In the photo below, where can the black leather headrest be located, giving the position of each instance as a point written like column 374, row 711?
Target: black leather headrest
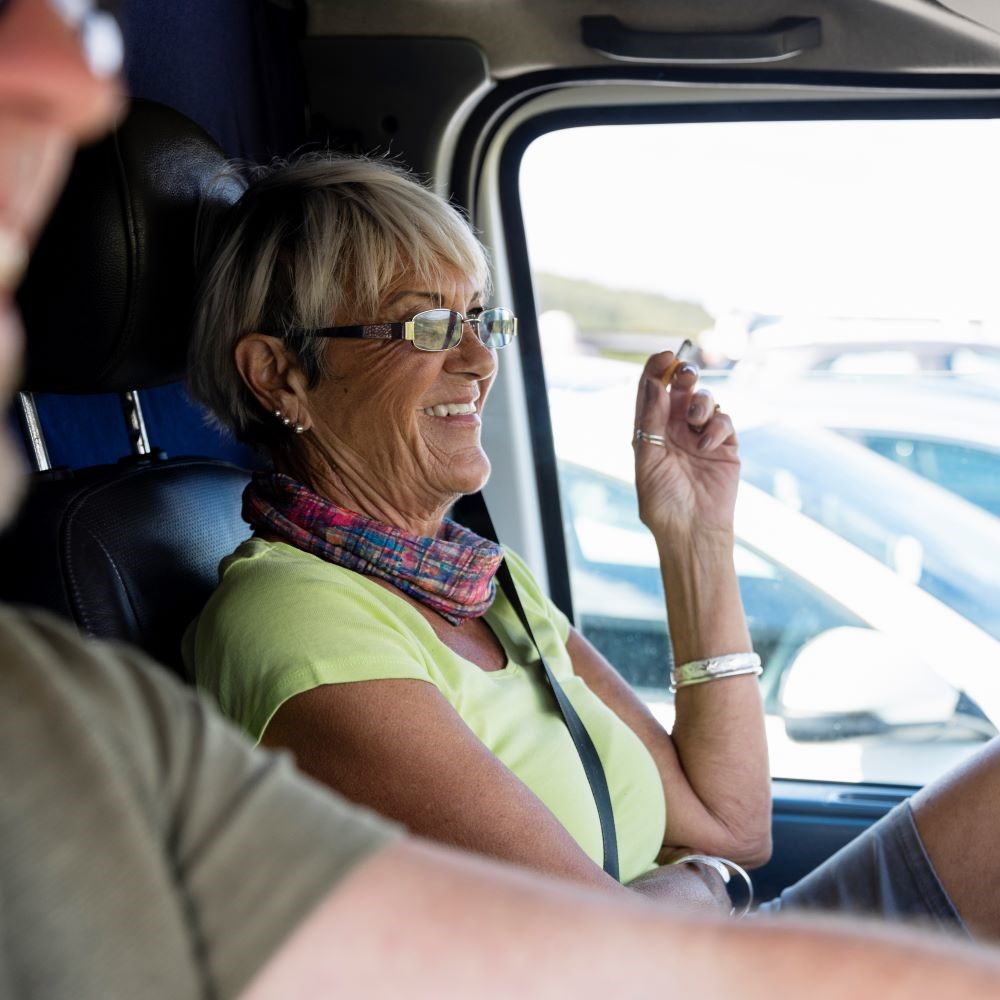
column 108, row 298
column 129, row 551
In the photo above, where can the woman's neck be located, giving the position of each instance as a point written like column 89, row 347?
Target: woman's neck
column 355, row 494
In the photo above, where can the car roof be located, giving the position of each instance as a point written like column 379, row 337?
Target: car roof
column 857, row 35
column 965, row 412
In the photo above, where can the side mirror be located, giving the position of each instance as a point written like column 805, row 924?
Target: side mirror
column 848, row 682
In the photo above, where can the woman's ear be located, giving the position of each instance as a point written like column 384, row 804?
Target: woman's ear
column 273, row 374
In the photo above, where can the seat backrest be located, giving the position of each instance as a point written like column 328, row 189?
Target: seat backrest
column 126, row 551
column 129, row 551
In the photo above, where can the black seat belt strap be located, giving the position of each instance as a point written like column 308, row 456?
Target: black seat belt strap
column 475, row 506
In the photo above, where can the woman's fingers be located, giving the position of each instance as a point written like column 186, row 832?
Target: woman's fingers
column 654, row 404
column 701, row 408
column 706, row 421
column 688, row 410
column 717, row 431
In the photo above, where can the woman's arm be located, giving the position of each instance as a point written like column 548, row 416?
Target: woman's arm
column 718, row 800
column 714, row 764
column 718, row 734
column 398, row 746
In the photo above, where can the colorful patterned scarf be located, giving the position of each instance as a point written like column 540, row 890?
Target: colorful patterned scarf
column 452, row 574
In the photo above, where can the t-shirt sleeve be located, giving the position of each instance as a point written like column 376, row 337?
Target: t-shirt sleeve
column 280, row 626
column 249, row 845
column 257, row 844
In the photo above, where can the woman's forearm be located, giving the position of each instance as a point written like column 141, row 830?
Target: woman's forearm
column 703, row 598
column 688, row 885
column 719, row 727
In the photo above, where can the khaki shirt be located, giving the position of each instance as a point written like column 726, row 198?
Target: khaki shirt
column 146, row 850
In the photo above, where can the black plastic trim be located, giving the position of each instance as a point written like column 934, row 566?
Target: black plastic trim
column 508, row 95
column 540, row 421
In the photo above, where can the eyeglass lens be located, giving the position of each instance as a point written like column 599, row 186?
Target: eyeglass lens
column 441, row 329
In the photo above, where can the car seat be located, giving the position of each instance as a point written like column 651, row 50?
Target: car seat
column 130, row 550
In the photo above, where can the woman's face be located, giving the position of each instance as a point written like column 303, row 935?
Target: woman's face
column 399, row 425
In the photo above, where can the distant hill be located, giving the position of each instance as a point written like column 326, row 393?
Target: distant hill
column 599, row 309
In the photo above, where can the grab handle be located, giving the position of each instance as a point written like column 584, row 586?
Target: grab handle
column 784, row 39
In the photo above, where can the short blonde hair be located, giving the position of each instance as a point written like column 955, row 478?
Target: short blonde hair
column 311, row 238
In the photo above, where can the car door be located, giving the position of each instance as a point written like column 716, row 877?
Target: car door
column 627, row 214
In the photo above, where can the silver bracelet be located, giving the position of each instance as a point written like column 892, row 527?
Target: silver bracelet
column 723, row 866
column 713, row 669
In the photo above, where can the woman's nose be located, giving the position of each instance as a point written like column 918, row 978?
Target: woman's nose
column 471, row 354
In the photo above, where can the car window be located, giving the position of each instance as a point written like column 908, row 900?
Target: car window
column 616, row 580
column 854, row 340
column 971, row 472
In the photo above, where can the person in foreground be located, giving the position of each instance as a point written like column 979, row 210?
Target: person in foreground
column 146, row 850
column 345, row 327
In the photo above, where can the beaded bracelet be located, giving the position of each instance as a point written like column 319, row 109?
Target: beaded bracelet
column 713, row 669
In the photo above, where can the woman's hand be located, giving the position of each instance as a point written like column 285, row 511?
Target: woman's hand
column 688, row 484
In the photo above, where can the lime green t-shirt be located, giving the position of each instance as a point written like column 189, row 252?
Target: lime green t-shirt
column 283, row 621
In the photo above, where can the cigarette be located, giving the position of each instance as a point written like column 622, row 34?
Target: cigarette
column 679, row 359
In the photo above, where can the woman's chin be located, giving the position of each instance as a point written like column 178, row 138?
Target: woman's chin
column 469, row 476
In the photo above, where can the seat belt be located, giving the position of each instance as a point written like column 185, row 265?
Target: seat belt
column 474, row 506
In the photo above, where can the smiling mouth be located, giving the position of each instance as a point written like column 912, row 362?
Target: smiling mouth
column 449, row 409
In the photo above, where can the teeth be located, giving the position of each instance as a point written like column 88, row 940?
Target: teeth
column 13, row 258
column 449, row 409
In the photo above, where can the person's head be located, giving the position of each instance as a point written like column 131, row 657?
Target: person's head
column 332, row 241
column 56, row 90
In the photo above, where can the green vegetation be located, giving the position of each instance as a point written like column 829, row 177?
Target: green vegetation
column 598, row 309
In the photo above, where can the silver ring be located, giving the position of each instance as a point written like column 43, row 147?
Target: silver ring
column 657, row 439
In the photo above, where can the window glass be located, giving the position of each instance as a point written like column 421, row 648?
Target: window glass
column 838, row 281
column 971, row 471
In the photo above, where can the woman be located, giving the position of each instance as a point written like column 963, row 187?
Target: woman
column 360, row 628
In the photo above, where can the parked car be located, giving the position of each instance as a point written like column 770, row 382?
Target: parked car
column 823, row 545
column 941, row 425
column 799, row 583
column 786, row 348
column 787, row 452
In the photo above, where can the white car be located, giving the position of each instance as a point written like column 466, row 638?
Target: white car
column 819, row 609
column 789, row 347
column 942, row 426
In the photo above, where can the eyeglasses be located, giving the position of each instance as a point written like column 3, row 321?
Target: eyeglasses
column 433, row 329
column 97, row 30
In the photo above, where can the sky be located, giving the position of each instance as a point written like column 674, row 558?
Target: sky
column 880, row 219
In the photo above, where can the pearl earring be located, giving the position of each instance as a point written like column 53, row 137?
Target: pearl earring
column 296, row 427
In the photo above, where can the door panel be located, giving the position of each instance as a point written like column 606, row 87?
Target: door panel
column 812, row 821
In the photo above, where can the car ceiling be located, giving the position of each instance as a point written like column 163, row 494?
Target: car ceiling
column 519, row 36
